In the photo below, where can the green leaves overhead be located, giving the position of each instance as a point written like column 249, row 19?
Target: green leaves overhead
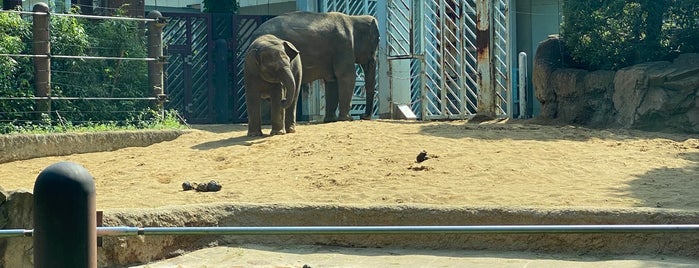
column 612, row 34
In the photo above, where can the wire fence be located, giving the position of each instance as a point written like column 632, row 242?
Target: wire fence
column 112, row 85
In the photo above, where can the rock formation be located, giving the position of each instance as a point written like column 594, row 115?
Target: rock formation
column 655, row 96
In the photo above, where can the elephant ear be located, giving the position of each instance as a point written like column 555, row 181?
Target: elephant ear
column 290, row 50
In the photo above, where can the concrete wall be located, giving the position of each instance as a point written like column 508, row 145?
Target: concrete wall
column 26, row 146
column 123, row 250
column 119, row 251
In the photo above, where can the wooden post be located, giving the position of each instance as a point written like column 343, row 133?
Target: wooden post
column 156, row 75
column 42, row 65
column 485, row 78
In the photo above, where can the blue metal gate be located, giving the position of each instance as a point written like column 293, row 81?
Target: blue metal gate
column 188, row 79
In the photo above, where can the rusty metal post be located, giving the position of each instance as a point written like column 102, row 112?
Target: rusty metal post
column 42, row 65
column 65, row 221
column 485, row 67
column 156, row 74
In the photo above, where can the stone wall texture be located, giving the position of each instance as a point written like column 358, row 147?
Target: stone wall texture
column 653, row 96
column 15, row 147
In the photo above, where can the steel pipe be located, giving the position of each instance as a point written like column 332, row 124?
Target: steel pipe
column 15, row 233
column 319, row 230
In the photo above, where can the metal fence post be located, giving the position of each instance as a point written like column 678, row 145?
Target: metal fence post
column 42, row 47
column 156, row 75
column 486, row 77
column 65, row 220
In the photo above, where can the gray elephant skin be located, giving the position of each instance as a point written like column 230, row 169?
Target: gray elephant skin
column 273, row 72
column 330, row 44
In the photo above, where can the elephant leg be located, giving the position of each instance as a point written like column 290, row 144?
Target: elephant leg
column 369, row 87
column 345, row 92
column 331, row 101
column 290, row 118
column 277, row 112
column 253, row 100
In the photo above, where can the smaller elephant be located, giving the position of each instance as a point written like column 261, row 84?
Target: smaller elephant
column 272, row 72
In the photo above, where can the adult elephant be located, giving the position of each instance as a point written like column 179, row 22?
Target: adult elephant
column 272, row 71
column 330, row 44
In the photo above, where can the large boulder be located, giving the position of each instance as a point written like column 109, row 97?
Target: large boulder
column 655, row 96
column 570, row 95
column 547, row 59
column 659, row 95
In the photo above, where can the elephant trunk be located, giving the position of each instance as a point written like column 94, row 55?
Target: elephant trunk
column 288, row 89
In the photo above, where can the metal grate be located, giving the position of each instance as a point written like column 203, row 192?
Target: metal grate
column 502, row 56
column 188, row 72
column 398, row 28
column 450, row 87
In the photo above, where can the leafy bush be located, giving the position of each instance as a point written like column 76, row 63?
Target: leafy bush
column 144, row 120
column 16, row 73
column 99, row 78
column 612, row 34
column 76, row 77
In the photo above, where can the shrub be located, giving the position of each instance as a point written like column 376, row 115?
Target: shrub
column 612, row 34
column 75, row 77
column 16, row 73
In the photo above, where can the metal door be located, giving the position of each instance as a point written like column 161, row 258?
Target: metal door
column 188, row 80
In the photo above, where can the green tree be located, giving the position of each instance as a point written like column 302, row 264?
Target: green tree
column 612, row 34
column 16, row 73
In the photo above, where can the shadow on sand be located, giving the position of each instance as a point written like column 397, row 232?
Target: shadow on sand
column 673, row 188
column 538, row 130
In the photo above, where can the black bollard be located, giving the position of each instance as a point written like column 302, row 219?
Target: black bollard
column 65, row 225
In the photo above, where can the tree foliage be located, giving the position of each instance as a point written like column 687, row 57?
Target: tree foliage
column 77, row 77
column 612, row 34
column 16, row 73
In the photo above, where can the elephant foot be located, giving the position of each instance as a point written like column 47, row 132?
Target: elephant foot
column 254, row 133
column 345, row 118
column 277, row 132
column 365, row 117
column 291, row 130
column 329, row 119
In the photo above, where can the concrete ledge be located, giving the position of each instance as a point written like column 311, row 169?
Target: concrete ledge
column 132, row 250
column 15, row 147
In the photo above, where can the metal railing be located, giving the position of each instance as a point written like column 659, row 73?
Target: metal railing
column 354, row 230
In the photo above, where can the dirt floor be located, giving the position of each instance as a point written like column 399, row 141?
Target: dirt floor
column 513, row 163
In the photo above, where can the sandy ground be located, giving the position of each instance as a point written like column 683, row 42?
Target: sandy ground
column 324, row 256
column 374, row 162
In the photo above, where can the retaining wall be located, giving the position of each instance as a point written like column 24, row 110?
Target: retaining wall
column 129, row 250
column 15, row 147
